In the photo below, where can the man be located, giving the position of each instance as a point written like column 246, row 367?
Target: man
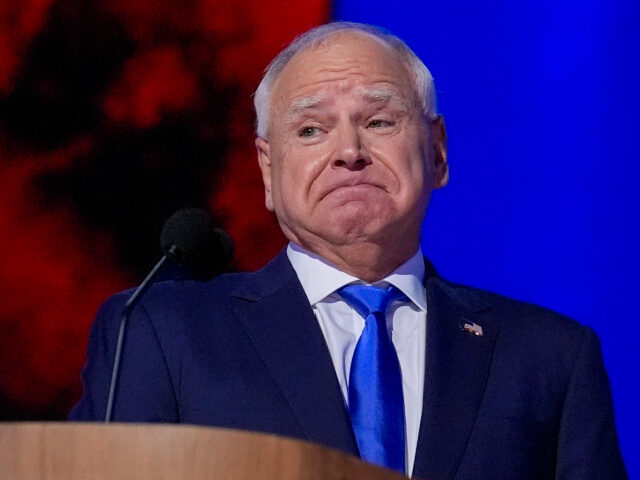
column 349, row 338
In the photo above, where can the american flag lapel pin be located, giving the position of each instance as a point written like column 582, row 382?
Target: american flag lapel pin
column 471, row 327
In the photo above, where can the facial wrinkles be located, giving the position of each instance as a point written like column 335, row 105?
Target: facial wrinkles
column 314, row 98
column 364, row 101
column 315, row 80
column 342, row 80
column 378, row 173
column 329, row 69
column 342, row 51
column 368, row 100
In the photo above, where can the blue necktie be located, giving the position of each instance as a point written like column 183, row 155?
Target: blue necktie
column 376, row 404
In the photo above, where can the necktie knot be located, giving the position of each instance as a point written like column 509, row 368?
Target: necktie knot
column 367, row 300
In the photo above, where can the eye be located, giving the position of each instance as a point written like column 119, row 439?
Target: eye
column 380, row 123
column 308, row 131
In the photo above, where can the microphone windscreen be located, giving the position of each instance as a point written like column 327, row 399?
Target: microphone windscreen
column 203, row 250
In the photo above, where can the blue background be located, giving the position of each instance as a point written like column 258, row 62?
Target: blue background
column 541, row 101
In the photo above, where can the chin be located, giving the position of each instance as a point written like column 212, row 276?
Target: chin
column 352, row 230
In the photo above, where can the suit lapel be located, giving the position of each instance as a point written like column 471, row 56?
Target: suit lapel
column 277, row 317
column 456, row 370
column 274, row 311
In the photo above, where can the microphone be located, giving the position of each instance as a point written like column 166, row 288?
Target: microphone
column 189, row 239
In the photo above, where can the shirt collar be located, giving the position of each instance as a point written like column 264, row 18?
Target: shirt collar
column 320, row 279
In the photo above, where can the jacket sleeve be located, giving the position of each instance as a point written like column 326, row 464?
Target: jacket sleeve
column 144, row 391
column 587, row 442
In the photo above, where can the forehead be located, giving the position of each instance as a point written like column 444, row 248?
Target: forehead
column 345, row 60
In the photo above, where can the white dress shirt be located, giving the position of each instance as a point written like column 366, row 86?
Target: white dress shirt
column 342, row 326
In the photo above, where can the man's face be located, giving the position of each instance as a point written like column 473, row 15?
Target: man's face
column 349, row 157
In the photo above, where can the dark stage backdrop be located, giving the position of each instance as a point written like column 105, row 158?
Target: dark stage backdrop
column 113, row 114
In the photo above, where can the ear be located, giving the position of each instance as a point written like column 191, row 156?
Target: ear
column 439, row 144
column 264, row 160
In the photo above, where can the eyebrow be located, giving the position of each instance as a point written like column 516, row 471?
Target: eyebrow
column 301, row 104
column 373, row 95
column 384, row 95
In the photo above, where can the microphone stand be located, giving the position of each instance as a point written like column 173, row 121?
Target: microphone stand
column 123, row 325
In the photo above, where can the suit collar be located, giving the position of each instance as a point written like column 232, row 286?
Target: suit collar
column 320, row 279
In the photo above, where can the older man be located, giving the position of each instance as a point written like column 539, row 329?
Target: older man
column 349, row 338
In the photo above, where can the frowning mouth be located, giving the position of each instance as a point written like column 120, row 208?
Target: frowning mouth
column 351, row 189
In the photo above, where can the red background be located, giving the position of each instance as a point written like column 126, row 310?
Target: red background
column 114, row 114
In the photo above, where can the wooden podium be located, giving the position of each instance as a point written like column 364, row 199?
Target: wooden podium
column 92, row 451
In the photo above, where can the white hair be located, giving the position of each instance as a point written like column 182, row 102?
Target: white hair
column 316, row 37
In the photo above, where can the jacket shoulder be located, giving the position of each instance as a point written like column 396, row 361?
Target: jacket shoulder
column 532, row 321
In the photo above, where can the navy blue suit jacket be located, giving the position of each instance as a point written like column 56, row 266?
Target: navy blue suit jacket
column 529, row 399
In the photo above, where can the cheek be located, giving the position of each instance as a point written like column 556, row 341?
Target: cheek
column 295, row 176
column 420, row 155
column 405, row 163
column 306, row 162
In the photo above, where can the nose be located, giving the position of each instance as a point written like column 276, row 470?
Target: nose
column 349, row 153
